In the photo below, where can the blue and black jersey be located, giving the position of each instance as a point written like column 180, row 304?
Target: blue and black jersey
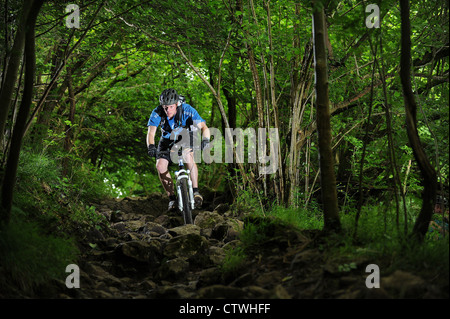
column 186, row 117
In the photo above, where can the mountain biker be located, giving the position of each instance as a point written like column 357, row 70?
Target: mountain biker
column 174, row 114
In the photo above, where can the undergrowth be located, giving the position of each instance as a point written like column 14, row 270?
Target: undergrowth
column 38, row 243
column 30, row 258
column 381, row 238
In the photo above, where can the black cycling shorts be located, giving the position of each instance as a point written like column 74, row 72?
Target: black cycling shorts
column 164, row 148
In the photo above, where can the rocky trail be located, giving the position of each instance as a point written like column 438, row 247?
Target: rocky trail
column 144, row 251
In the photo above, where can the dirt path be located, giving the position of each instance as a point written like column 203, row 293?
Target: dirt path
column 143, row 251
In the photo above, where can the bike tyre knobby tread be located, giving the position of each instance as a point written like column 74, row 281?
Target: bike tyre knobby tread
column 187, row 212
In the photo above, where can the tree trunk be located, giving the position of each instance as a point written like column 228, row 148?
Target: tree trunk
column 427, row 170
column 327, row 175
column 19, row 127
column 60, row 68
column 69, row 127
column 280, row 170
column 13, row 67
column 231, row 103
column 299, row 95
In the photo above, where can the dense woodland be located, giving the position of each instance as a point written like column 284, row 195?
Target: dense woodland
column 359, row 95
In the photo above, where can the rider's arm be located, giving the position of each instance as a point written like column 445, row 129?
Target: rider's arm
column 151, row 135
column 205, row 130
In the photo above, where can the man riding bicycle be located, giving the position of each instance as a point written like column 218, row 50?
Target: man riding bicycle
column 174, row 115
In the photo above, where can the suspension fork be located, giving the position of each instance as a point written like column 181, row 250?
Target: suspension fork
column 182, row 173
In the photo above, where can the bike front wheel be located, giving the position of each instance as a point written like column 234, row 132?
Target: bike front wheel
column 187, row 211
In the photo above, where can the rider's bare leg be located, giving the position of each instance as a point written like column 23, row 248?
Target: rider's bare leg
column 162, row 165
column 192, row 166
column 188, row 158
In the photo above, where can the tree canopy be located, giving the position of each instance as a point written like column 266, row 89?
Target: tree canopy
column 376, row 73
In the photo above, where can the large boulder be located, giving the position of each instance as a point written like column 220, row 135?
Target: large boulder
column 227, row 230
column 184, row 230
column 173, row 269
column 186, row 245
column 208, row 219
column 140, row 251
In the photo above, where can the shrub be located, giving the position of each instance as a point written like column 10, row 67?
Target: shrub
column 28, row 257
column 233, row 260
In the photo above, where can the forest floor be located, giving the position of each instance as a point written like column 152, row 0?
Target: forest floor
column 144, row 251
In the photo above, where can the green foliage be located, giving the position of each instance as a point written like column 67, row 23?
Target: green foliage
column 34, row 246
column 255, row 234
column 379, row 239
column 87, row 215
column 246, row 201
column 259, row 230
column 347, row 267
column 111, row 115
column 34, row 195
column 29, row 257
column 298, row 217
column 44, row 192
column 233, row 261
column 118, row 72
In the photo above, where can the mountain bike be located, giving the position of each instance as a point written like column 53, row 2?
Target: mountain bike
column 184, row 190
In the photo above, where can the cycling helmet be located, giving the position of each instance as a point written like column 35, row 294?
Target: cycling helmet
column 168, row 97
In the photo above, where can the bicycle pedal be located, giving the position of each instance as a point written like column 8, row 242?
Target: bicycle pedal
column 173, row 205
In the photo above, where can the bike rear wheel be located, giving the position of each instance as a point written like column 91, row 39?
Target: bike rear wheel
column 187, row 211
